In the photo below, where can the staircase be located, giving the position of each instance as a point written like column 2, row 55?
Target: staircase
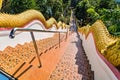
column 74, row 64
column 69, row 62
column 18, row 60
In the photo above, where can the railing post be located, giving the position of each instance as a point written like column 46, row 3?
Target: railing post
column 36, row 48
column 59, row 39
column 66, row 35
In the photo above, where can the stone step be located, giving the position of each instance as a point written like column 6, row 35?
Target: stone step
column 74, row 64
column 23, row 70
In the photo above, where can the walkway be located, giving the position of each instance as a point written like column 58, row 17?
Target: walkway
column 74, row 64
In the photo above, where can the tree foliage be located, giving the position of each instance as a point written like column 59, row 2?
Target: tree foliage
column 92, row 15
column 88, row 11
column 18, row 6
column 81, row 11
column 49, row 8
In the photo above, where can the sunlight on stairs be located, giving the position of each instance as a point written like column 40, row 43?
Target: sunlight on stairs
column 12, row 58
column 73, row 64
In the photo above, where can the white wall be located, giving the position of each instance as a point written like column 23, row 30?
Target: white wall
column 22, row 37
column 101, row 70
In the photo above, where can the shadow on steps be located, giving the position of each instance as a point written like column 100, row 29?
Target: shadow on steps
column 84, row 67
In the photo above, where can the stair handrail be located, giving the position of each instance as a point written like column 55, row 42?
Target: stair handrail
column 12, row 35
column 7, row 75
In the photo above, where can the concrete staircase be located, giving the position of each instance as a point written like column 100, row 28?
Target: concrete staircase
column 69, row 62
column 74, row 64
column 18, row 60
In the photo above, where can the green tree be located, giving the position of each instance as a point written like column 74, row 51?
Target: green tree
column 59, row 9
column 18, row 6
column 6, row 6
column 50, row 8
column 92, row 15
column 108, row 4
column 111, row 18
column 81, row 11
